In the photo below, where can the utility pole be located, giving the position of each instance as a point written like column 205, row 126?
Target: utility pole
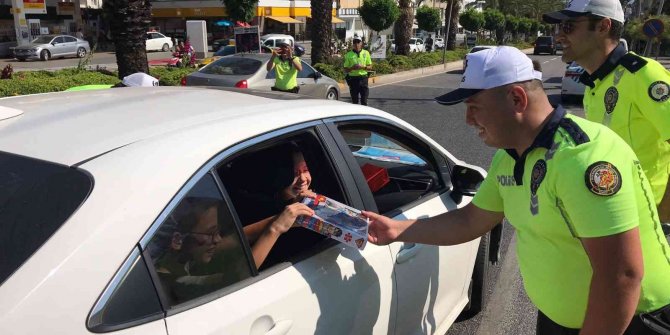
column 446, row 34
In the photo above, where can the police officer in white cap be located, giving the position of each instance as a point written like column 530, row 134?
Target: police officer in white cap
column 624, row 91
column 587, row 235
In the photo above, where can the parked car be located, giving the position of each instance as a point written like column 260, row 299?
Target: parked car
column 544, row 44
column 46, row 47
column 439, row 43
column 273, row 40
column 158, row 41
column 223, row 51
column 475, row 49
column 572, row 90
column 95, row 204
column 249, row 71
column 416, row 45
column 218, row 44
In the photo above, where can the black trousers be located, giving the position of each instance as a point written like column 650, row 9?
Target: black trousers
column 546, row 326
column 358, row 87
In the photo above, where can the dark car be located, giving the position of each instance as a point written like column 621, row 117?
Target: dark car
column 545, row 44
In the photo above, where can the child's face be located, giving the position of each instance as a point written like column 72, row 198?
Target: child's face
column 205, row 236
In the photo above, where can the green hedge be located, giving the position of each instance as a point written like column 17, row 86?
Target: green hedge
column 31, row 82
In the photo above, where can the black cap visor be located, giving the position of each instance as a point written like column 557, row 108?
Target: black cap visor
column 562, row 15
column 456, row 96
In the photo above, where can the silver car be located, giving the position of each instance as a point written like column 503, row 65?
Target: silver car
column 249, row 71
column 50, row 46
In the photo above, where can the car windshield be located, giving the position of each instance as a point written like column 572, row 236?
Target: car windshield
column 43, row 39
column 233, row 66
column 36, row 198
column 225, row 51
column 475, row 49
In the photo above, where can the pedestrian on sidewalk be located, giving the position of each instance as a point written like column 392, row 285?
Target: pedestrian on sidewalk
column 357, row 63
column 589, row 244
column 79, row 34
column 286, row 67
column 624, row 91
column 429, row 43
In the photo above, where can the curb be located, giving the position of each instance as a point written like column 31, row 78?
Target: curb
column 416, row 73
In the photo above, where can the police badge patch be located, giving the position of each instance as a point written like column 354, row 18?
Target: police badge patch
column 659, row 91
column 603, row 178
column 537, row 176
column 611, row 98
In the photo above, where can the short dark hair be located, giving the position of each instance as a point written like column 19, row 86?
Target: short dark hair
column 616, row 28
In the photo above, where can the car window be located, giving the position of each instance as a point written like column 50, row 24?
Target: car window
column 544, row 40
column 397, row 169
column 150, row 36
column 267, row 177
column 36, row 199
column 233, row 66
column 269, row 43
column 307, row 71
column 58, row 40
column 475, row 49
column 42, row 40
column 69, row 39
column 198, row 250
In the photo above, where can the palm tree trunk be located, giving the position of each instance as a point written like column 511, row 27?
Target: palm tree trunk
column 129, row 21
column 453, row 29
column 321, row 30
column 403, row 27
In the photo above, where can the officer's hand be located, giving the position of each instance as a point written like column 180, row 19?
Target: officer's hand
column 382, row 230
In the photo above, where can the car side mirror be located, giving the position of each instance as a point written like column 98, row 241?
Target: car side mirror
column 466, row 181
column 317, row 75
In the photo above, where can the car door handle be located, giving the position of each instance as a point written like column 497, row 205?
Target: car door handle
column 408, row 252
column 280, row 328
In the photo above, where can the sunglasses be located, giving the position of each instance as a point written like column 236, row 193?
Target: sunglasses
column 568, row 26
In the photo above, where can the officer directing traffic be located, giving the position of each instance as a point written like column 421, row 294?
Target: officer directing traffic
column 624, row 91
column 586, row 227
column 357, row 63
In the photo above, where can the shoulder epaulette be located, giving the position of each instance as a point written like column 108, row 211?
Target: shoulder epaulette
column 575, row 131
column 632, row 62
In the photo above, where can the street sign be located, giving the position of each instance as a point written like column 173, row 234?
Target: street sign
column 653, row 28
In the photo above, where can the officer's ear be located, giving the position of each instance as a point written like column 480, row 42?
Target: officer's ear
column 604, row 26
column 518, row 97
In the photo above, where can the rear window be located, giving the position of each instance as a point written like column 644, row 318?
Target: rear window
column 475, row 49
column 233, row 66
column 544, row 40
column 36, row 198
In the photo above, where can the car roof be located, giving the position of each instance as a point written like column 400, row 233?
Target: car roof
column 276, row 35
column 72, row 127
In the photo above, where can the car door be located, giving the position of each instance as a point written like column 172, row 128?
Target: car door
column 151, row 42
column 308, row 284
column 57, row 46
column 405, row 178
column 69, row 46
column 309, row 83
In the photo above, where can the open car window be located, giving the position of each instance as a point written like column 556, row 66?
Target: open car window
column 260, row 184
column 398, row 168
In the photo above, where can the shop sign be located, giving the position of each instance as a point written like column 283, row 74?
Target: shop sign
column 247, row 39
column 35, row 6
column 65, row 8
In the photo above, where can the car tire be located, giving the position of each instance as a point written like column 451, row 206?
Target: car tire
column 45, row 55
column 477, row 291
column 332, row 94
column 166, row 47
column 81, row 52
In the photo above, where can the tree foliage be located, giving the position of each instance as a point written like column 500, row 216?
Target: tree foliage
column 379, row 14
column 493, row 19
column 472, row 20
column 241, row 10
column 428, row 18
column 532, row 9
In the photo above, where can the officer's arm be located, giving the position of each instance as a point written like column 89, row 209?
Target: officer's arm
column 615, row 285
column 450, row 228
column 271, row 63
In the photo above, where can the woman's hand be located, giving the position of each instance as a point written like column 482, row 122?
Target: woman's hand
column 287, row 217
column 307, row 193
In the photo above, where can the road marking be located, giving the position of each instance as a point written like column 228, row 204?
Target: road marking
column 401, row 80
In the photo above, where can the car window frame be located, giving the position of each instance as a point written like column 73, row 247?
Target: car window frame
column 355, row 169
column 341, row 169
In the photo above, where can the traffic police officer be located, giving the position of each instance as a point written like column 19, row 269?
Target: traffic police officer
column 286, row 67
column 357, row 63
column 586, row 225
column 624, row 91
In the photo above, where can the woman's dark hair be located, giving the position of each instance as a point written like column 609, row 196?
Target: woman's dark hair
column 283, row 165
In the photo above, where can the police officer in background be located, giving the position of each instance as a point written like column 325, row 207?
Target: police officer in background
column 624, row 91
column 357, row 63
column 286, row 67
column 589, row 245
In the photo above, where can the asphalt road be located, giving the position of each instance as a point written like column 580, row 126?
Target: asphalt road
column 103, row 59
column 508, row 310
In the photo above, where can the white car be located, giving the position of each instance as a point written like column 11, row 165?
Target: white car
column 158, row 42
column 475, row 49
column 439, row 43
column 572, row 90
column 416, row 45
column 94, row 185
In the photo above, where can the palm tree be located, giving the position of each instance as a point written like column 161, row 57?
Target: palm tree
column 453, row 27
column 402, row 30
column 321, row 29
column 129, row 21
